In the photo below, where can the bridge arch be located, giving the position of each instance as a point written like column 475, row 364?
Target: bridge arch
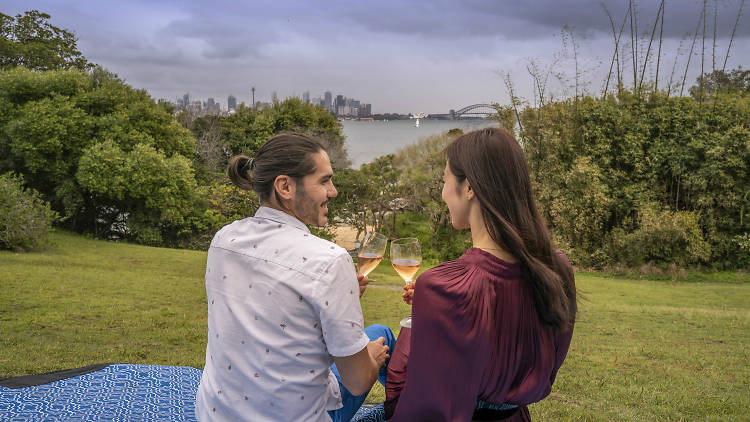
column 474, row 110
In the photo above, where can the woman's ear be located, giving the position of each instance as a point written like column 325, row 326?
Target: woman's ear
column 469, row 191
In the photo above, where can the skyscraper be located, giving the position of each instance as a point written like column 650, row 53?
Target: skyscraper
column 231, row 103
column 365, row 110
column 328, row 101
column 306, row 96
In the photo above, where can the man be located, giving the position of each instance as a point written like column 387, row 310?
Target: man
column 283, row 304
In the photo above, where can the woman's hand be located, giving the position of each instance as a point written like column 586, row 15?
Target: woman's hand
column 408, row 294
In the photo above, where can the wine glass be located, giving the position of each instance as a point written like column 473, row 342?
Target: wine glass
column 406, row 257
column 370, row 253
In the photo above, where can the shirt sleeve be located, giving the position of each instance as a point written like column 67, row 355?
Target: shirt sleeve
column 336, row 299
column 441, row 380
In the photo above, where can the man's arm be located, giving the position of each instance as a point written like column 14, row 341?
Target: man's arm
column 360, row 370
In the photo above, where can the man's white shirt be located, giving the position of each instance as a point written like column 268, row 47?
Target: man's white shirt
column 281, row 303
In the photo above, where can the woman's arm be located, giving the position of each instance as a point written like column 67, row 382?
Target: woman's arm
column 442, row 380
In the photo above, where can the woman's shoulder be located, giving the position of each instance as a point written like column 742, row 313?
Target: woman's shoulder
column 444, row 271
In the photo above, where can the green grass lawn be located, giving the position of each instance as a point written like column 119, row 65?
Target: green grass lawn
column 642, row 350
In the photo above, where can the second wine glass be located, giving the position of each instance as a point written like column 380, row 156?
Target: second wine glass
column 406, row 257
column 370, row 253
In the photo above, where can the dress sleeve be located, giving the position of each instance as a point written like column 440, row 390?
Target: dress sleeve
column 442, row 379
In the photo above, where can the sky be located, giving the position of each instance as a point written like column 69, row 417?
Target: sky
column 419, row 56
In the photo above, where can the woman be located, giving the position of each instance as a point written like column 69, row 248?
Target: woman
column 491, row 328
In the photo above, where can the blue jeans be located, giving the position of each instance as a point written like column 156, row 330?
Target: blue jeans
column 351, row 402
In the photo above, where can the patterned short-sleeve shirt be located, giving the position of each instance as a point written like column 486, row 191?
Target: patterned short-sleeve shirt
column 281, row 303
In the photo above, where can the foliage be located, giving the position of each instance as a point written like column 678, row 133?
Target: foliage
column 225, row 204
column 399, row 195
column 105, row 155
column 385, row 190
column 29, row 40
column 352, row 204
column 249, row 127
column 736, row 81
column 25, row 219
column 147, row 192
column 661, row 236
column 421, row 166
column 594, row 162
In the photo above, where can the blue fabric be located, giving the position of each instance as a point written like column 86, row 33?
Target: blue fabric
column 351, row 402
column 123, row 392
column 118, row 392
column 370, row 414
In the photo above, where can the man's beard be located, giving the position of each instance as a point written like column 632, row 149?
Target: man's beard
column 307, row 210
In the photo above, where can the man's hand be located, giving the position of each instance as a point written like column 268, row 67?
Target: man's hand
column 408, row 294
column 359, row 371
column 378, row 351
column 363, row 281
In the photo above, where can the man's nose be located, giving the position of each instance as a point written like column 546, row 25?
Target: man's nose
column 332, row 193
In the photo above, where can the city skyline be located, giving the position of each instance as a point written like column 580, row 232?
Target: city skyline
column 427, row 57
column 339, row 105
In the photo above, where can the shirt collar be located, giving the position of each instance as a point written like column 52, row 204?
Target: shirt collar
column 279, row 216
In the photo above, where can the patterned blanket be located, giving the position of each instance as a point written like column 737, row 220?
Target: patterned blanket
column 119, row 392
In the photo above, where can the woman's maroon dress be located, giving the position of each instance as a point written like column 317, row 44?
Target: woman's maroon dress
column 475, row 335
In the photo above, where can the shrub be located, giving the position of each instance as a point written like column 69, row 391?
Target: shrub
column 25, row 219
column 662, row 237
column 225, row 203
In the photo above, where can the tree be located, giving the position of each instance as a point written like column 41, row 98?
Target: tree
column 107, row 157
column 352, row 205
column 25, row 218
column 246, row 130
column 421, row 168
column 737, row 80
column 29, row 40
column 386, row 189
column 599, row 166
column 249, row 127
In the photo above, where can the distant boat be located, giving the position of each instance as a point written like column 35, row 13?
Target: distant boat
column 416, row 123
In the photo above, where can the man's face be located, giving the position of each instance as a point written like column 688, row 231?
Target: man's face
column 314, row 191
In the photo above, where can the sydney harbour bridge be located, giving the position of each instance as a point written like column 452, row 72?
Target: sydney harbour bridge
column 474, row 111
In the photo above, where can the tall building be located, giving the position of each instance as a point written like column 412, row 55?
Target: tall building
column 306, row 96
column 274, row 97
column 365, row 110
column 355, row 108
column 328, row 101
column 231, row 103
column 339, row 101
column 186, row 100
column 211, row 106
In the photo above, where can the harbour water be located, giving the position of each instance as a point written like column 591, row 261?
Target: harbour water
column 367, row 140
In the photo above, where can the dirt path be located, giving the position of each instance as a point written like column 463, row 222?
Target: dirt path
column 345, row 236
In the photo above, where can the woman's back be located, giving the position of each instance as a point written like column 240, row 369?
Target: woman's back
column 476, row 335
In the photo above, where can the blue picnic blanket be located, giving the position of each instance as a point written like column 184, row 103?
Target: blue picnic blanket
column 119, row 392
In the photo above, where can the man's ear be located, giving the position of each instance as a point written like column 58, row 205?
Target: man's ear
column 285, row 187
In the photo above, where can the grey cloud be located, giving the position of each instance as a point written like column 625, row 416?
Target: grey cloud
column 532, row 19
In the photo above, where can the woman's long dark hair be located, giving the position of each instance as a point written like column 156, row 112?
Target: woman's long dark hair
column 495, row 166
